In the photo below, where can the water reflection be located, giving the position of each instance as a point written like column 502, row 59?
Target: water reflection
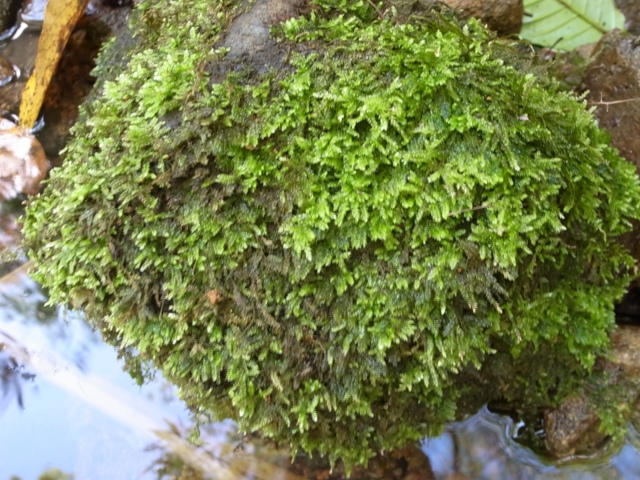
column 25, row 311
column 75, row 393
column 9, row 230
column 12, row 375
column 483, row 448
column 67, row 405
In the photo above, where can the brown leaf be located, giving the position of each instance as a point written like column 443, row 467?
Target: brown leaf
column 23, row 163
column 214, row 296
column 60, row 18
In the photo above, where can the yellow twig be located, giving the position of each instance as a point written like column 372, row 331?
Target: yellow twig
column 479, row 207
column 60, row 18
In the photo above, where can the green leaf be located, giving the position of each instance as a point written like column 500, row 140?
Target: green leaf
column 567, row 24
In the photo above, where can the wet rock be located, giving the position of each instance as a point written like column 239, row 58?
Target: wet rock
column 503, row 16
column 9, row 228
column 8, row 14
column 572, row 428
column 249, row 33
column 7, row 72
column 613, row 82
column 23, row 164
column 10, row 96
column 628, row 309
column 625, row 341
column 21, row 51
column 249, row 39
column 413, row 464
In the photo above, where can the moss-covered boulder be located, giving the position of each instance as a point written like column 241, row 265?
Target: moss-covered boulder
column 341, row 233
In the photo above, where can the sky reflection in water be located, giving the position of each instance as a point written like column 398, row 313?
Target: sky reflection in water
column 65, row 403
column 78, row 391
column 481, row 448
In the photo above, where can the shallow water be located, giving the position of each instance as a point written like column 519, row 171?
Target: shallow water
column 65, row 401
column 483, row 448
column 66, row 404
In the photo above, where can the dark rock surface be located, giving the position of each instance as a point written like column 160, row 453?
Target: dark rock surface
column 613, row 82
column 249, row 39
column 503, row 16
column 8, row 14
column 631, row 11
column 572, row 428
column 626, row 350
column 7, row 72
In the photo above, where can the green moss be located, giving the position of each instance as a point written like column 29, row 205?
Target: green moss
column 340, row 252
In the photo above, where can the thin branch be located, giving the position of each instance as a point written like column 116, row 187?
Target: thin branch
column 614, row 102
column 22, row 268
column 479, row 207
column 380, row 14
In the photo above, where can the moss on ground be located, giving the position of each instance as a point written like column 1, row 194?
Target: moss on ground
column 340, row 251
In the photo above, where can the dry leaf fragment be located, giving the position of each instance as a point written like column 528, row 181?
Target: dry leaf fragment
column 23, row 164
column 214, row 296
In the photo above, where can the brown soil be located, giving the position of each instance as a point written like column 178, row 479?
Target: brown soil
column 631, row 10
